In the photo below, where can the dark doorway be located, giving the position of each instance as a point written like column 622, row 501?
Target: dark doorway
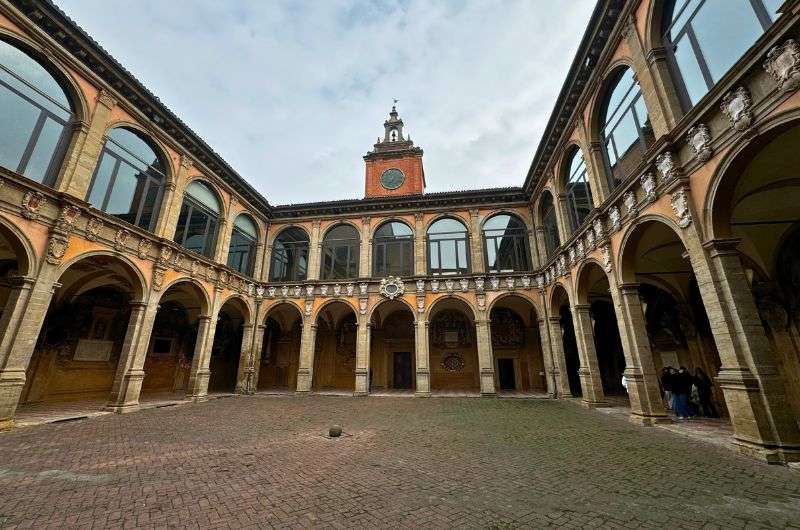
column 505, row 372
column 402, row 370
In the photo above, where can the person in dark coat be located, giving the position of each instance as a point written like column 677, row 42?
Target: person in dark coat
column 682, row 387
column 666, row 386
column 704, row 391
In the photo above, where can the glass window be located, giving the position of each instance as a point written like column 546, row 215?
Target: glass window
column 289, row 256
column 128, row 180
column 447, row 247
column 579, row 192
column 340, row 253
column 505, row 239
column 393, row 250
column 36, row 112
column 703, row 48
column 626, row 127
column 199, row 219
column 551, row 239
column 242, row 249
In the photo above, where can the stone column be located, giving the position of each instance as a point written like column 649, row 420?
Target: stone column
column 591, row 382
column 563, row 219
column 244, row 373
column 483, row 336
column 476, row 244
column 754, row 391
column 559, row 359
column 171, row 202
column 14, row 355
column 258, row 346
column 422, row 358
column 82, row 159
column 602, row 178
column 258, row 263
column 665, row 85
column 541, row 245
column 365, row 250
column 550, row 371
column 362, row 356
column 655, row 109
column 420, row 246
column 223, row 239
column 647, row 404
column 305, row 372
column 200, row 374
column 130, row 374
column 314, row 251
column 533, row 245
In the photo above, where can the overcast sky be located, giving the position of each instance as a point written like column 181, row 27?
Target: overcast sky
column 292, row 94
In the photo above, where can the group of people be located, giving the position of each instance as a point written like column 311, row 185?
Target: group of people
column 686, row 394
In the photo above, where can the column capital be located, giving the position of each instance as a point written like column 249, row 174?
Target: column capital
column 137, row 304
column 628, row 288
column 582, row 308
column 723, row 246
column 205, row 318
column 554, row 320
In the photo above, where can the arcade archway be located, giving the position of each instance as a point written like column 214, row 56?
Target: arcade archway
column 516, row 346
column 335, row 348
column 280, row 350
column 392, row 352
column 227, row 348
column 453, row 347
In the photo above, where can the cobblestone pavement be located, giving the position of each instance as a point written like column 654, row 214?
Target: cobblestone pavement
column 265, row 461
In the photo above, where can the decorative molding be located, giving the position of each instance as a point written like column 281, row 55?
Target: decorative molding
column 629, row 200
column 56, row 248
column 606, row 253
column 32, row 202
column 158, row 278
column 420, row 286
column 599, row 229
column 66, row 218
column 737, row 106
column 351, row 287
column 143, row 248
column 121, row 239
column 93, row 227
column 363, row 288
column 667, row 166
column 699, row 140
column 464, row 284
column 421, row 304
column 309, row 305
column 494, row 281
column 362, row 306
column 680, row 205
column 337, row 289
column 479, row 282
column 783, row 64
column 615, row 218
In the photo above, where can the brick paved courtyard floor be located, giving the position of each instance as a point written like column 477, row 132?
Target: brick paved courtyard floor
column 265, row 461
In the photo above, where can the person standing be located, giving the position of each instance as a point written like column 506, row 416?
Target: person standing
column 682, row 387
column 704, row 390
column 666, row 386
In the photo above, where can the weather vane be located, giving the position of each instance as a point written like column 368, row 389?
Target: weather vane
column 395, row 101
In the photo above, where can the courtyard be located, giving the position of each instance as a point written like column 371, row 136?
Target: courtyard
column 266, row 461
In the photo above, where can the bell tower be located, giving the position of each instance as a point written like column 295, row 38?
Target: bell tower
column 394, row 166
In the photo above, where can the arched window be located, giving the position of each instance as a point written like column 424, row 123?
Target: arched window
column 129, row 179
column 199, row 219
column 36, row 112
column 340, row 253
column 706, row 37
column 393, row 250
column 242, row 249
column 448, row 247
column 579, row 192
column 506, row 241
column 551, row 239
column 289, row 256
column 626, row 127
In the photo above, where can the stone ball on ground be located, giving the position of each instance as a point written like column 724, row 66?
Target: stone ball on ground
column 335, row 431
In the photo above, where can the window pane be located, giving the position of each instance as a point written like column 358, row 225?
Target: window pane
column 725, row 30
column 196, row 231
column 340, row 268
column 772, row 8
column 491, row 253
column 301, row 263
column 448, row 250
column 462, row 254
column 690, row 71
column 33, row 73
column 44, row 150
column 148, row 212
column 625, row 135
column 203, row 194
column 101, row 179
column 120, row 201
column 433, row 255
column 19, row 120
column 180, row 229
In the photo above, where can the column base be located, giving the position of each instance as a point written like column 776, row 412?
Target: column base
column 488, row 393
column 594, row 404
column 769, row 455
column 422, row 394
column 649, row 420
column 8, row 424
column 360, row 393
column 197, row 399
column 123, row 409
column 302, row 392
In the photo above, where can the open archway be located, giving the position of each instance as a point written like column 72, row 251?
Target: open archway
column 453, row 347
column 227, row 348
column 280, row 350
column 560, row 308
column 516, row 346
column 335, row 348
column 392, row 352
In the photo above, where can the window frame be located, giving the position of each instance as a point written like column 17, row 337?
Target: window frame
column 118, row 161
column 760, row 12
column 381, row 246
column 252, row 245
column 520, row 243
column 292, row 264
column 59, row 152
column 462, row 236
column 193, row 204
column 550, row 243
column 569, row 188
column 328, row 249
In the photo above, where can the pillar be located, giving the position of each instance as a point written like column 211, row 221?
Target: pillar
column 420, row 238
column 362, row 356
column 647, row 404
column 602, row 180
column 550, row 371
column 244, row 373
column 559, row 359
column 171, row 201
column 89, row 140
column 130, row 374
column 314, row 251
column 422, row 358
column 591, row 381
column 365, row 250
column 562, row 218
column 305, row 371
column 541, row 244
column 485, row 356
column 476, row 245
column 755, row 395
column 258, row 346
column 29, row 305
column 199, row 376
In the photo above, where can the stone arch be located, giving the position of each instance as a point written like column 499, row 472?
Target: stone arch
column 610, row 78
column 230, row 344
column 375, row 226
column 392, row 346
column 582, row 277
column 140, row 287
column 534, row 303
column 624, row 257
column 204, row 296
column 21, row 246
column 283, row 228
column 555, row 292
column 224, row 206
column 336, row 344
column 244, row 306
column 279, row 357
column 45, row 58
column 562, row 165
column 158, row 145
column 538, row 204
column 453, row 345
column 473, row 310
column 341, row 222
column 276, row 307
column 505, row 211
column 452, row 215
column 385, row 301
column 316, row 314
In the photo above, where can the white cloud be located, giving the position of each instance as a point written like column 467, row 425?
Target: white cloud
column 293, row 95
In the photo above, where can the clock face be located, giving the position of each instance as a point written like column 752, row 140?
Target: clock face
column 393, row 178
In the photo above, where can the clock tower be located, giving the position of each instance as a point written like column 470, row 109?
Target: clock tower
column 394, row 166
